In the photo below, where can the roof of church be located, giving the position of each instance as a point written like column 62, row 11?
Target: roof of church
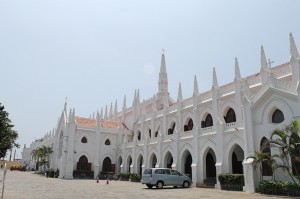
column 92, row 122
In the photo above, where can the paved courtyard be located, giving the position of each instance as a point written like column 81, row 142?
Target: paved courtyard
column 29, row 185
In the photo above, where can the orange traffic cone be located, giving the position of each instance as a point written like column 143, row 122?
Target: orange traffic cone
column 97, row 180
column 107, row 181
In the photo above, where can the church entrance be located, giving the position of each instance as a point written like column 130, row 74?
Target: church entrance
column 237, row 158
column 140, row 164
column 83, row 164
column 168, row 160
column 210, row 168
column 187, row 166
column 107, row 165
column 153, row 161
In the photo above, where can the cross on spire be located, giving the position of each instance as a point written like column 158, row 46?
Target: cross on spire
column 163, row 50
column 270, row 62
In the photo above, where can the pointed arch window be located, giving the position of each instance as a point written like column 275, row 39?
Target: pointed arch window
column 171, row 130
column 139, row 135
column 83, row 140
column 208, row 121
column 265, row 148
column 149, row 133
column 230, row 116
column 107, row 142
column 189, row 125
column 277, row 116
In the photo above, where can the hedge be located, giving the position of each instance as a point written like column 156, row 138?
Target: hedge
column 124, row 176
column 272, row 187
column 233, row 182
column 134, row 177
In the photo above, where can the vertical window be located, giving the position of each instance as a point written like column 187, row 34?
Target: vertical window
column 189, row 125
column 265, row 148
column 171, row 130
column 139, row 135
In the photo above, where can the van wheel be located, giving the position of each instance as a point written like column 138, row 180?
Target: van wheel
column 186, row 184
column 159, row 185
column 175, row 187
column 149, row 186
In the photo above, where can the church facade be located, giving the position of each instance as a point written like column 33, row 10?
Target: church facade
column 205, row 135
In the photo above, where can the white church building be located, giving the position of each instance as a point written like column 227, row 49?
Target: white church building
column 205, row 135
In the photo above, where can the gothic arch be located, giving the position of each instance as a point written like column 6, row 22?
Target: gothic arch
column 275, row 103
column 139, row 162
column 235, row 157
column 82, row 153
column 107, row 155
column 153, row 160
column 229, row 115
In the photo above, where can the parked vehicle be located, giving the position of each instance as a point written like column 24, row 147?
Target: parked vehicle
column 161, row 177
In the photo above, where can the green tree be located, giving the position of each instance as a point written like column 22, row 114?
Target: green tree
column 42, row 154
column 258, row 158
column 8, row 136
column 287, row 141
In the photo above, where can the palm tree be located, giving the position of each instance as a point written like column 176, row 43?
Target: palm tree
column 258, row 158
column 286, row 140
column 42, row 154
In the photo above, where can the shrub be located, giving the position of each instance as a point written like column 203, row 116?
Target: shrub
column 51, row 173
column 134, row 177
column 231, row 181
column 124, row 176
column 83, row 174
column 56, row 174
column 273, row 187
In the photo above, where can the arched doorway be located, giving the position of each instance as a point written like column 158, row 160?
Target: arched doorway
column 187, row 163
column 140, row 164
column 83, row 164
column 210, row 167
column 153, row 161
column 119, row 165
column 237, row 158
column 107, row 166
column 129, row 162
column 168, row 161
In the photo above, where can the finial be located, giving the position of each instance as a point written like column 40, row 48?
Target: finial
column 154, row 103
column 179, row 98
column 163, row 50
column 237, row 70
column 293, row 47
column 263, row 60
column 124, row 102
column 196, row 91
column 215, row 80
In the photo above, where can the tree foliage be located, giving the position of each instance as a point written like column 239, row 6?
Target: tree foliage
column 8, row 136
column 42, row 154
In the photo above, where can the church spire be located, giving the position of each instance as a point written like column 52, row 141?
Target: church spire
column 105, row 116
column 163, row 76
column 179, row 98
column 237, row 70
column 124, row 103
column 215, row 80
column 293, row 47
column 196, row 91
column 263, row 59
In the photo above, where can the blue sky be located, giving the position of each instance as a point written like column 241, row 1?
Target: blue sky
column 94, row 52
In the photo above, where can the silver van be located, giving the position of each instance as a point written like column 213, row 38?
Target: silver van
column 160, row 177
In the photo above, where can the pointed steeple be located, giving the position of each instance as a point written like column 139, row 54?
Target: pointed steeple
column 179, row 98
column 237, row 70
column 163, row 77
column 138, row 96
column 215, row 80
column 196, row 91
column 134, row 98
column 98, row 118
column 105, row 115
column 101, row 113
column 110, row 111
column 263, row 59
column 293, row 47
column 154, row 104
column 116, row 109
column 65, row 106
column 124, row 103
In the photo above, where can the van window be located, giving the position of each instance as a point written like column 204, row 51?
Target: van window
column 175, row 172
column 167, row 171
column 159, row 171
column 148, row 171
